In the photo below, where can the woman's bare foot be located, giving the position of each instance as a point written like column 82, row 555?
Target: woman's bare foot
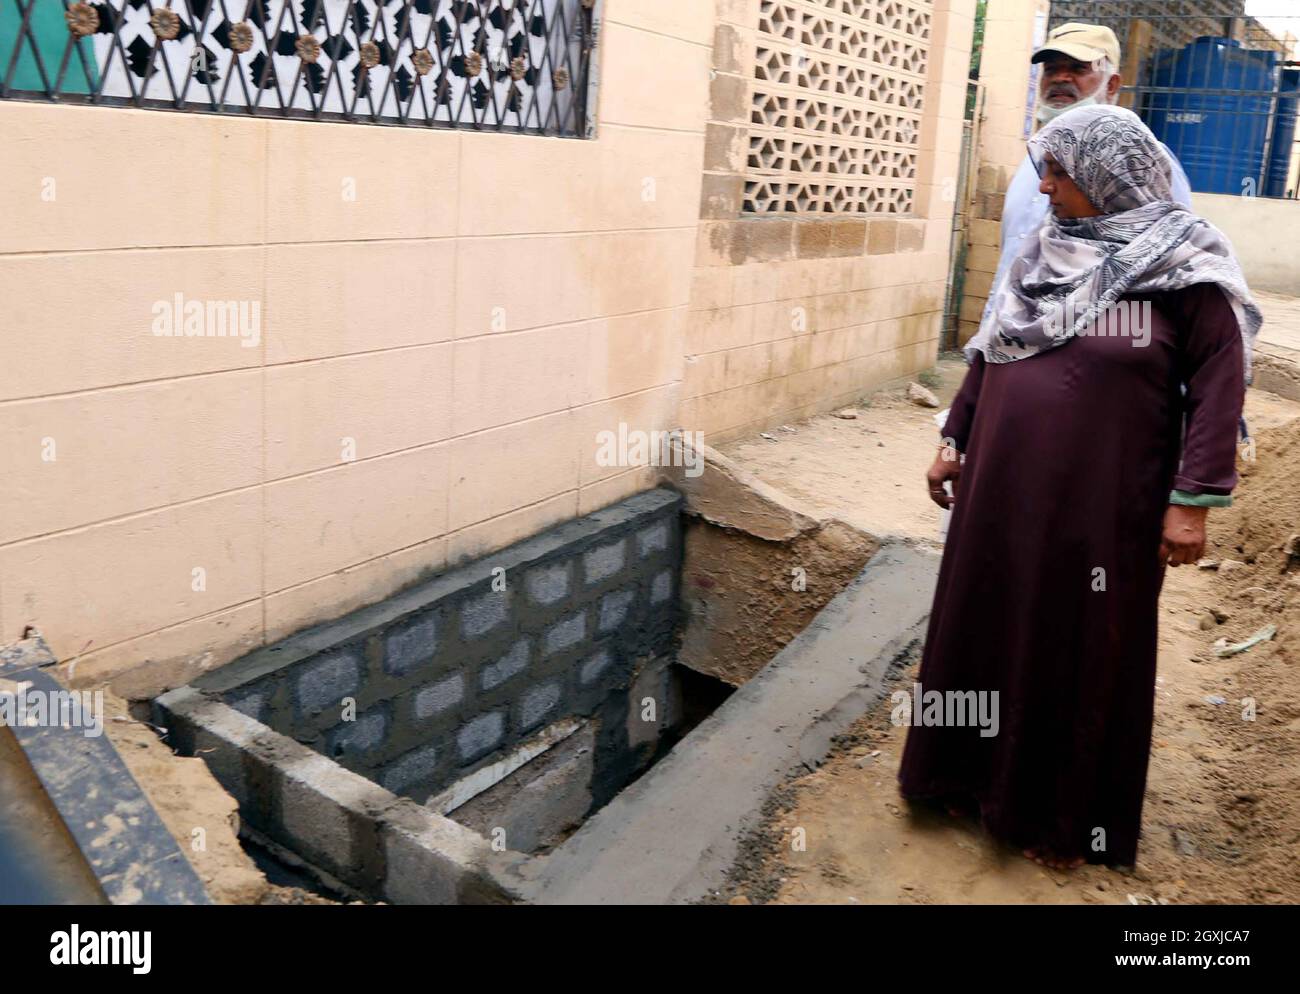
column 1045, row 857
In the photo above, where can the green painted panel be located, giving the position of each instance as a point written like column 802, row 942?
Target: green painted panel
column 50, row 30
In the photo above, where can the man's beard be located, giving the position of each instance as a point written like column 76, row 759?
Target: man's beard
column 1046, row 112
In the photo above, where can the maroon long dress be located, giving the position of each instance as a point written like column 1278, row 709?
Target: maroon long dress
column 1070, row 457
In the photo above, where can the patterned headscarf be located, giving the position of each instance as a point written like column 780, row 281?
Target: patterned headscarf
column 1075, row 269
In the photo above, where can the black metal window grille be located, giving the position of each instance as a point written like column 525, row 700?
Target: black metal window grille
column 502, row 65
column 1225, row 106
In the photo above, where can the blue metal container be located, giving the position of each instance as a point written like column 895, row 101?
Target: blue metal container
column 1279, row 160
column 1220, row 139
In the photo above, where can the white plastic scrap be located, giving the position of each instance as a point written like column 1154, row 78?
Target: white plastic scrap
column 1222, row 648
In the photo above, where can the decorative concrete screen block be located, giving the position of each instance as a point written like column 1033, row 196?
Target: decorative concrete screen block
column 835, row 106
column 424, row 689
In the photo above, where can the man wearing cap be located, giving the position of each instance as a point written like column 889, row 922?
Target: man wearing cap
column 1080, row 67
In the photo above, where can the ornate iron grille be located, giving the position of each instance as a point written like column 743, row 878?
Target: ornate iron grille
column 503, row 65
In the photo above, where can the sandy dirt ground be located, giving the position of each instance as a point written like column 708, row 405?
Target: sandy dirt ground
column 201, row 816
column 1221, row 821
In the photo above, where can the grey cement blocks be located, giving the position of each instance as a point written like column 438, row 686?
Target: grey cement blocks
column 410, row 645
column 410, row 769
column 537, row 805
column 548, row 584
column 593, row 667
column 566, row 633
column 661, row 588
column 454, row 673
column 604, row 561
column 651, row 540
column 513, row 662
column 340, row 822
column 613, row 609
column 484, row 613
column 438, row 697
column 325, row 682
column 480, row 735
column 537, row 703
column 359, row 737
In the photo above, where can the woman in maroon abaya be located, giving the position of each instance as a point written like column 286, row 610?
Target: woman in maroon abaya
column 1098, row 423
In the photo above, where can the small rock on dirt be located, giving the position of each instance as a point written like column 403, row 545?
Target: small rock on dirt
column 847, row 413
column 918, row 394
column 1183, row 843
column 1292, row 550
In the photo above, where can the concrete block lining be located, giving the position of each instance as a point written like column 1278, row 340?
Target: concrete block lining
column 333, row 739
column 355, row 830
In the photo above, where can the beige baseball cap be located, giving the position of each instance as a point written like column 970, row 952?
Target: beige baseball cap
column 1085, row 42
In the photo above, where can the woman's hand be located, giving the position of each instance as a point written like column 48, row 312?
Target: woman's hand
column 946, row 466
column 1183, row 540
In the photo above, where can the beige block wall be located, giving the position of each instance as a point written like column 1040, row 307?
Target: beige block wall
column 1005, row 75
column 434, row 360
column 435, row 356
column 791, row 316
column 1262, row 232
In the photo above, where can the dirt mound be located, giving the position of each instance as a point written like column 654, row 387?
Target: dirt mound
column 1266, row 509
column 1257, row 583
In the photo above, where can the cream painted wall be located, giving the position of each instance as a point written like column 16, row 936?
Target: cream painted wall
column 484, row 306
column 1263, row 234
column 467, row 324
column 1005, row 75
